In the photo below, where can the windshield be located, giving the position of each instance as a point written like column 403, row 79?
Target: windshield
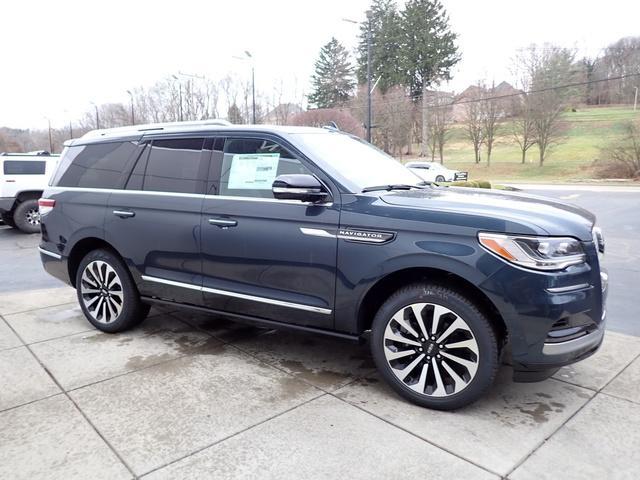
column 356, row 162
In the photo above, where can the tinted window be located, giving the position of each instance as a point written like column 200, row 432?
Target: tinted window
column 176, row 165
column 99, row 165
column 250, row 165
column 20, row 167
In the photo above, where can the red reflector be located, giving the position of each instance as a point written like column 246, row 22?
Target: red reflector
column 46, row 202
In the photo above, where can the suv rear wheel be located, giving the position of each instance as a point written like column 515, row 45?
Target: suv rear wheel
column 434, row 347
column 107, row 294
column 27, row 217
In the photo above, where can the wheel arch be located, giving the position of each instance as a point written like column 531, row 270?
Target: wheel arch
column 28, row 195
column 80, row 249
column 384, row 287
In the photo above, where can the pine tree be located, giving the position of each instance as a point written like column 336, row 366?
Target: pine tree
column 333, row 80
column 386, row 46
column 429, row 51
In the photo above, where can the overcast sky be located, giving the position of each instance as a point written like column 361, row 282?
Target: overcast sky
column 58, row 56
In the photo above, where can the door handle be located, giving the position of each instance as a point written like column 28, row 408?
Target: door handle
column 222, row 222
column 124, row 213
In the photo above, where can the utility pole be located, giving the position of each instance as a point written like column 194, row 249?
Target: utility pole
column 97, row 116
column 368, row 123
column 133, row 118
column 369, row 76
column 50, row 138
column 425, row 122
column 635, row 100
column 180, row 116
column 70, row 129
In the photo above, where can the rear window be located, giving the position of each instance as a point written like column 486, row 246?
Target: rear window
column 22, row 167
column 176, row 165
column 99, row 165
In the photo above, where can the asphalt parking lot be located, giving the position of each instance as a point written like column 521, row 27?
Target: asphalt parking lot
column 193, row 396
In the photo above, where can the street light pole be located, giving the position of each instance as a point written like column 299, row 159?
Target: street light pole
column 133, row 118
column 253, row 86
column 97, row 116
column 369, row 87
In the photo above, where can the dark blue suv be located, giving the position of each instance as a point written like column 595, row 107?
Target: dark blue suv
column 313, row 229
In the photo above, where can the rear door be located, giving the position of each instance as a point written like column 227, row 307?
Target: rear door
column 155, row 221
column 265, row 257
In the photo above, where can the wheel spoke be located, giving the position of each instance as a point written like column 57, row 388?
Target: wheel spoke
column 92, row 301
column 458, row 380
column 438, row 312
column 404, row 324
column 402, row 374
column 468, row 364
column 440, row 391
column 396, row 355
column 419, row 387
column 452, row 328
column 397, row 338
column 90, row 281
column 417, row 311
column 470, row 344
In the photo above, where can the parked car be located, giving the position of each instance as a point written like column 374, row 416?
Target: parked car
column 436, row 172
column 23, row 177
column 315, row 230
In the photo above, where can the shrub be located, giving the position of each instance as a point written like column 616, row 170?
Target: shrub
column 621, row 158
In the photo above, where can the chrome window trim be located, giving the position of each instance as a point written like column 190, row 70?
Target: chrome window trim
column 49, row 254
column 187, row 195
column 271, row 301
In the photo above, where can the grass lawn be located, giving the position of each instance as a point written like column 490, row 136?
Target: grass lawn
column 573, row 159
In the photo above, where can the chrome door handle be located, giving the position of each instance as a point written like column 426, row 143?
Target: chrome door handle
column 222, row 222
column 124, row 213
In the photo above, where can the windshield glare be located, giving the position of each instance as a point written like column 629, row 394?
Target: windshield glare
column 355, row 162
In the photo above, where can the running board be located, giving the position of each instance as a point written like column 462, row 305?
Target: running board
column 260, row 322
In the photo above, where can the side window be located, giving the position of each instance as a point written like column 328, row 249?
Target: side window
column 22, row 167
column 98, row 165
column 250, row 165
column 176, row 165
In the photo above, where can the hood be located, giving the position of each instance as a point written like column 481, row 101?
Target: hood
column 518, row 209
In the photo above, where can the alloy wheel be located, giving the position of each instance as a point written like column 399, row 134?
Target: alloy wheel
column 102, row 292
column 431, row 349
column 33, row 217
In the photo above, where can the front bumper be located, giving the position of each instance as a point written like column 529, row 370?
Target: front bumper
column 553, row 318
column 6, row 204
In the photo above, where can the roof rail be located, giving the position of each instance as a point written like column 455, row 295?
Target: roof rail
column 35, row 153
column 133, row 129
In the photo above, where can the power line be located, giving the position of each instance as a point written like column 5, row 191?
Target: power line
column 511, row 95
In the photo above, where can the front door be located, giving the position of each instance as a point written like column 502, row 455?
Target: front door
column 258, row 256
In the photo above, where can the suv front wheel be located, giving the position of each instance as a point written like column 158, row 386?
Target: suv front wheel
column 107, row 294
column 434, row 347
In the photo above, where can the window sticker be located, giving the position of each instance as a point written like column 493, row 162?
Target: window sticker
column 253, row 171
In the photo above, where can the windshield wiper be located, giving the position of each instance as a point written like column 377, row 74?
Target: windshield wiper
column 396, row 186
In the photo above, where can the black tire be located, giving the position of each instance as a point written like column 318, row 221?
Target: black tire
column 7, row 218
column 477, row 327
column 130, row 310
column 26, row 217
column 440, row 179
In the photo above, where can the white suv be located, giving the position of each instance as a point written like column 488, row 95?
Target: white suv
column 23, row 177
column 435, row 172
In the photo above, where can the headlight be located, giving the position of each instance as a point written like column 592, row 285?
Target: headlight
column 539, row 253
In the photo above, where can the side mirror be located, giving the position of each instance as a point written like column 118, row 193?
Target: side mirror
column 305, row 188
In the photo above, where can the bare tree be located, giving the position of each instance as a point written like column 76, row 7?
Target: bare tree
column 522, row 125
column 625, row 153
column 490, row 112
column 548, row 70
column 474, row 125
